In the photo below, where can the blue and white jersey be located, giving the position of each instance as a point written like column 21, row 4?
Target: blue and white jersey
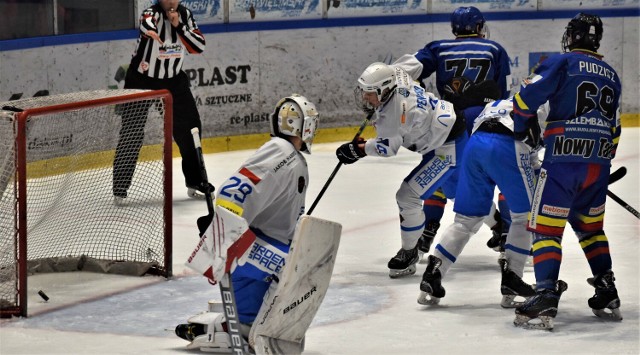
column 475, row 58
column 500, row 111
column 269, row 189
column 412, row 118
column 584, row 113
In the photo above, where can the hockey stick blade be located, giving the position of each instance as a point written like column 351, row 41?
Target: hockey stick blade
column 335, row 170
column 617, row 175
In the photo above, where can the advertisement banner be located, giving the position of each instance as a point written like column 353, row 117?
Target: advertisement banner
column 447, row 6
column 269, row 10
column 580, row 5
column 360, row 8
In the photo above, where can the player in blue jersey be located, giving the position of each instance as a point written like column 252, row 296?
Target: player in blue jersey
column 581, row 137
column 492, row 158
column 472, row 55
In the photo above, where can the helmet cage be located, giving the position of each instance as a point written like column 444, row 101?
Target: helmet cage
column 378, row 78
column 295, row 116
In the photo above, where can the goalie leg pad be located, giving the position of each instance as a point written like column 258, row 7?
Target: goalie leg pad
column 291, row 304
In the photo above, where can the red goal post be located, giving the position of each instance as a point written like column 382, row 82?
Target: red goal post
column 65, row 156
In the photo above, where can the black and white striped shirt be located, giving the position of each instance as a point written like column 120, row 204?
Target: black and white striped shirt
column 165, row 61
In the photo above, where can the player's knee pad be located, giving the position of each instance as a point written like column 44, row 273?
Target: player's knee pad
column 407, row 198
column 468, row 223
column 519, row 218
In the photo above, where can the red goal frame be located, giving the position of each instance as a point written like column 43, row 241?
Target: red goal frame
column 21, row 177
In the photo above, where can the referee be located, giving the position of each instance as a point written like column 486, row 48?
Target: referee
column 167, row 30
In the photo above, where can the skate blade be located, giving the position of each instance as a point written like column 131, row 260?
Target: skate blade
column 539, row 323
column 394, row 274
column 613, row 314
column 427, row 300
column 509, row 301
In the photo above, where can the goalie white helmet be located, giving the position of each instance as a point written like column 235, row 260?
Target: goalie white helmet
column 379, row 78
column 295, row 116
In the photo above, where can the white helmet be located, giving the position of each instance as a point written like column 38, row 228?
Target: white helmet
column 295, row 116
column 378, row 78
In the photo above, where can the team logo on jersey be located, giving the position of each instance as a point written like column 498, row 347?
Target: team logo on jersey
column 301, row 184
column 404, row 92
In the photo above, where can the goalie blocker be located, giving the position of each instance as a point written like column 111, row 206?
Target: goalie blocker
column 290, row 304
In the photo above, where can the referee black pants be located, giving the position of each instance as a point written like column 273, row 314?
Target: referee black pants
column 185, row 117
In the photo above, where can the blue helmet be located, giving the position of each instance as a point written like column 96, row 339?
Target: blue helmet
column 467, row 21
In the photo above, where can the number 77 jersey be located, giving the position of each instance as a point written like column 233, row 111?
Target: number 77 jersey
column 269, row 189
column 584, row 113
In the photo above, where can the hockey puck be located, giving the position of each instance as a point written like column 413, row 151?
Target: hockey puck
column 43, row 295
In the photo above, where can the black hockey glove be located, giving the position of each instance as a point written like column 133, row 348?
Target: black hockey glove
column 530, row 136
column 349, row 153
column 464, row 93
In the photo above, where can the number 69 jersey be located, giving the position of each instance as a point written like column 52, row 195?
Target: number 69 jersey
column 584, row 113
column 269, row 189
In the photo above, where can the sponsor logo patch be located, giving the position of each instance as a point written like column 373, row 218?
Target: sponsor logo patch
column 555, row 211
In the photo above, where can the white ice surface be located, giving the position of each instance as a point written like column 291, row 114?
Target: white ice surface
column 364, row 312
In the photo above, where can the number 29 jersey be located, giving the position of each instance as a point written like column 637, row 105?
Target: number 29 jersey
column 269, row 189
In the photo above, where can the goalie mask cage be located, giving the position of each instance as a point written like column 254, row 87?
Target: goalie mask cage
column 63, row 160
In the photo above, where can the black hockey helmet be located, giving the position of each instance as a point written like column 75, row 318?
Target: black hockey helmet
column 584, row 31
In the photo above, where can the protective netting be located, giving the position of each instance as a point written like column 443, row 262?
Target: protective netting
column 95, row 186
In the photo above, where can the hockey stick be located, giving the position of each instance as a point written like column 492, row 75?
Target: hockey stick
column 238, row 345
column 335, row 170
column 625, row 205
column 617, row 175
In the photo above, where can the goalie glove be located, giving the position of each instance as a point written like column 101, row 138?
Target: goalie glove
column 351, row 152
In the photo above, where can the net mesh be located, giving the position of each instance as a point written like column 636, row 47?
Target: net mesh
column 95, row 187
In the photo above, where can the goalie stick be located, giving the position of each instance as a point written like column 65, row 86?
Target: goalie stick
column 230, row 308
column 335, row 170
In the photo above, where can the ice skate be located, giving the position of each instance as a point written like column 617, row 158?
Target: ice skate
column 404, row 263
column 539, row 311
column 427, row 237
column 208, row 331
column 431, row 290
column 605, row 303
column 512, row 286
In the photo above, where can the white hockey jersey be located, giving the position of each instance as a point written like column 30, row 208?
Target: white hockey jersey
column 500, row 111
column 411, row 118
column 269, row 189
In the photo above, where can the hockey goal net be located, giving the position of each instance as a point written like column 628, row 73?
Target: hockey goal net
column 85, row 184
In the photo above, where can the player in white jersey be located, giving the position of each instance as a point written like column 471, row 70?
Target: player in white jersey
column 268, row 191
column 408, row 116
column 492, row 158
